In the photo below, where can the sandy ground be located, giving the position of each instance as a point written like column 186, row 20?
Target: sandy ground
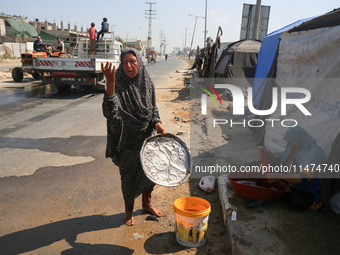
column 174, row 107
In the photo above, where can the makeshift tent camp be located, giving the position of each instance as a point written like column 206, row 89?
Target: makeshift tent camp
column 220, row 50
column 238, row 60
column 305, row 54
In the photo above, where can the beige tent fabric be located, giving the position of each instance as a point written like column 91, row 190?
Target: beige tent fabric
column 311, row 60
column 313, row 54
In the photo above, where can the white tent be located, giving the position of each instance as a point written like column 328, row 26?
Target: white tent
column 305, row 54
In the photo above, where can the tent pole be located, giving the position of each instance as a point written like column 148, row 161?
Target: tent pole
column 257, row 20
column 205, row 26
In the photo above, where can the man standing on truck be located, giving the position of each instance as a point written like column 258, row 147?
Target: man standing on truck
column 92, row 34
column 105, row 29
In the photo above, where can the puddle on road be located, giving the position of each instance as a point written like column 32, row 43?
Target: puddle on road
column 29, row 164
column 15, row 94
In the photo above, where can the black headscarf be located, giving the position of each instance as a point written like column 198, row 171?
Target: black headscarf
column 136, row 94
column 136, row 102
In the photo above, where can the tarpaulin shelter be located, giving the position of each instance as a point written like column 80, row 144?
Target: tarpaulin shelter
column 50, row 37
column 238, row 61
column 17, row 27
column 304, row 54
column 266, row 58
column 306, row 49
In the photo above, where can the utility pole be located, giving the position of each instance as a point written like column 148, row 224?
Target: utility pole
column 161, row 43
column 185, row 41
column 257, row 20
column 126, row 42
column 164, row 45
column 193, row 33
column 150, row 14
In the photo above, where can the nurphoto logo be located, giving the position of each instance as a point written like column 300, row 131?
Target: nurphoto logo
column 289, row 96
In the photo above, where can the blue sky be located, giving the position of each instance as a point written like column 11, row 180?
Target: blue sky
column 172, row 16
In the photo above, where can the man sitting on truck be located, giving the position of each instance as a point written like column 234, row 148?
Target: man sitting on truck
column 60, row 45
column 105, row 29
column 38, row 45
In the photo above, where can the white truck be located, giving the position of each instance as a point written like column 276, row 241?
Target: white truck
column 82, row 68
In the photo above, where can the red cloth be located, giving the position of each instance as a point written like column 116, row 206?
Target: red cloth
column 92, row 33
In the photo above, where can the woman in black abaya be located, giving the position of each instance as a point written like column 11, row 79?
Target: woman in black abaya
column 130, row 109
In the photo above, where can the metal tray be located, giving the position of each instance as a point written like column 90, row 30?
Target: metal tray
column 166, row 160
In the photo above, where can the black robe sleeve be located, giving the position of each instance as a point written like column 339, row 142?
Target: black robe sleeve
column 155, row 113
column 114, row 124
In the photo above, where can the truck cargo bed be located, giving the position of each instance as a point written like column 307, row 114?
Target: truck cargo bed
column 70, row 64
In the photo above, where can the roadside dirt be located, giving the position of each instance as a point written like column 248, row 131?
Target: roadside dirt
column 174, row 106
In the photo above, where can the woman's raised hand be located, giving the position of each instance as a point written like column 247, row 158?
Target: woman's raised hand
column 110, row 76
column 159, row 129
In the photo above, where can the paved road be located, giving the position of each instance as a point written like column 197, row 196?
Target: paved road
column 58, row 191
column 5, row 66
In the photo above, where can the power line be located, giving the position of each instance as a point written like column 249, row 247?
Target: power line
column 129, row 7
column 126, row 13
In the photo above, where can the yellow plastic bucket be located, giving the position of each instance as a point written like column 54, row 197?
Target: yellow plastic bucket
column 191, row 221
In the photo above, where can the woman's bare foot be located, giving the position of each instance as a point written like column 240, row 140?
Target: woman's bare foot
column 129, row 220
column 154, row 211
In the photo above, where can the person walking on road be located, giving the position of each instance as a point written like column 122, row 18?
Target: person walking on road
column 129, row 106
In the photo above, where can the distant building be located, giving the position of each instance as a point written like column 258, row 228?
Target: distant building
column 42, row 26
column 176, row 50
column 49, row 31
column 136, row 44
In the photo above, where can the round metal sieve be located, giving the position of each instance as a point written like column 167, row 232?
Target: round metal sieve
column 166, row 160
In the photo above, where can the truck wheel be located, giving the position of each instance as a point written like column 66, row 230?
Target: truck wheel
column 36, row 75
column 64, row 89
column 17, row 74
